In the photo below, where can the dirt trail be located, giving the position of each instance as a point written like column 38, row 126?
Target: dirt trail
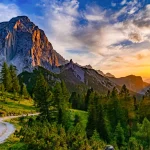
column 6, row 129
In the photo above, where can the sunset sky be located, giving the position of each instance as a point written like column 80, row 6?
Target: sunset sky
column 110, row 35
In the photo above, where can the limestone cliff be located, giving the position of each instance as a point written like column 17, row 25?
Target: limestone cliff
column 23, row 44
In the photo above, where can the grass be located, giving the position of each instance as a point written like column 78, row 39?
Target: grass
column 82, row 114
column 14, row 105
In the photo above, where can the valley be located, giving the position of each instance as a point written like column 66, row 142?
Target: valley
column 53, row 103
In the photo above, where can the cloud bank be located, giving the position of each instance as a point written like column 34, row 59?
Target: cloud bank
column 106, row 39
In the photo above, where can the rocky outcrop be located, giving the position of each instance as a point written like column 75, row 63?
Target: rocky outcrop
column 109, row 75
column 106, row 75
column 86, row 76
column 23, row 44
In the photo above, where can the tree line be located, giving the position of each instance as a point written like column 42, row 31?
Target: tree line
column 9, row 81
column 116, row 118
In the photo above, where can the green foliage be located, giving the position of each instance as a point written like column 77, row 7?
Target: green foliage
column 24, row 93
column 143, row 134
column 14, row 78
column 133, row 144
column 95, row 141
column 116, row 118
column 124, row 92
column 9, row 106
column 119, row 136
column 61, row 102
column 87, row 98
column 6, row 77
column 102, row 126
column 92, row 118
column 144, row 106
column 55, row 137
column 43, row 98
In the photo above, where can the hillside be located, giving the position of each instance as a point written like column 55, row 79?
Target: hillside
column 11, row 104
column 77, row 78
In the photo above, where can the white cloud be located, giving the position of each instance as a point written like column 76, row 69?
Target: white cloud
column 8, row 11
column 123, row 2
column 103, row 38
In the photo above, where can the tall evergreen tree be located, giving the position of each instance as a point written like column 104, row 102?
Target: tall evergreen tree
column 119, row 136
column 143, row 133
column 43, row 98
column 114, row 93
column 6, row 77
column 87, row 98
column 24, row 91
column 92, row 117
column 60, row 102
column 115, row 112
column 124, row 93
column 74, row 100
column 102, row 126
column 14, row 78
column 65, row 94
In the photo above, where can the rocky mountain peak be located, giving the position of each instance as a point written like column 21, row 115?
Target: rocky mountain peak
column 109, row 75
column 24, row 45
column 88, row 66
column 23, row 19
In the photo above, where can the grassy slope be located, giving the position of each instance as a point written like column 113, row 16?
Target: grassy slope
column 17, row 106
column 82, row 114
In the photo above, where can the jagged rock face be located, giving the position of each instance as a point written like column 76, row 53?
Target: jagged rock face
column 23, row 44
column 109, row 75
column 90, row 77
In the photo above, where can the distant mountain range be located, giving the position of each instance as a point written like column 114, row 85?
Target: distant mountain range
column 26, row 46
column 133, row 83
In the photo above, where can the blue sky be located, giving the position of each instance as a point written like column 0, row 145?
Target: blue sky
column 111, row 35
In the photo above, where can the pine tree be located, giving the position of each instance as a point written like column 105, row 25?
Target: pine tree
column 119, row 136
column 74, row 100
column 92, row 117
column 15, row 81
column 102, row 126
column 124, row 93
column 87, row 98
column 114, row 93
column 143, row 134
column 60, row 102
column 65, row 92
column 24, row 91
column 2, row 88
column 6, row 77
column 43, row 98
column 115, row 112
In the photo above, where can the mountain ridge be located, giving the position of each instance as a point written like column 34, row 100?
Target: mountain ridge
column 134, row 83
column 26, row 46
column 23, row 44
